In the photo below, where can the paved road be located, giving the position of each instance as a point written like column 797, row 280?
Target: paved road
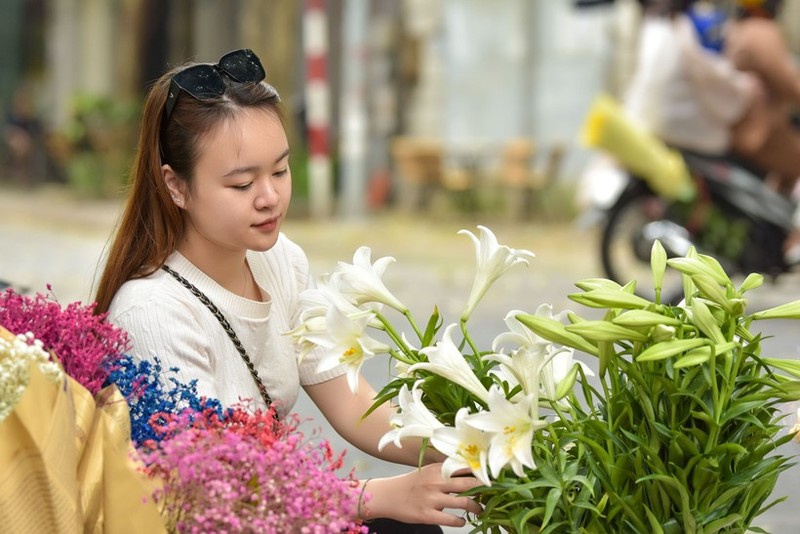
column 51, row 238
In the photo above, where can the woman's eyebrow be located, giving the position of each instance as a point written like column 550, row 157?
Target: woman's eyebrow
column 283, row 155
column 245, row 170
column 240, row 170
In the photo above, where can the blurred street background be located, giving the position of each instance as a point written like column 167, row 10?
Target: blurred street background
column 408, row 120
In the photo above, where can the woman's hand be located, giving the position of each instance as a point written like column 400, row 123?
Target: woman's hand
column 420, row 496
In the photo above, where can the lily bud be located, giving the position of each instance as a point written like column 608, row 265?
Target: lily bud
column 662, row 332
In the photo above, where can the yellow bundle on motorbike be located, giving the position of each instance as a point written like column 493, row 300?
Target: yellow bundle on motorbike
column 608, row 128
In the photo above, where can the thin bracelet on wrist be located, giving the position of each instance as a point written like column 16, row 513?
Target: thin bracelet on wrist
column 361, row 501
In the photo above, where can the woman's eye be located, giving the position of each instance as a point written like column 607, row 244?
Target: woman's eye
column 243, row 187
column 282, row 172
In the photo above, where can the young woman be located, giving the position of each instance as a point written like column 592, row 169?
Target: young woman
column 200, row 275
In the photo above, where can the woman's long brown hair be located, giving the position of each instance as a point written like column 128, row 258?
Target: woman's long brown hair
column 151, row 225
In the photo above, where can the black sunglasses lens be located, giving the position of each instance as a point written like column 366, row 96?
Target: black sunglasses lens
column 204, row 81
column 201, row 81
column 243, row 66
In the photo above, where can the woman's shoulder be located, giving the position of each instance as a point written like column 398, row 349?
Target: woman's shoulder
column 148, row 293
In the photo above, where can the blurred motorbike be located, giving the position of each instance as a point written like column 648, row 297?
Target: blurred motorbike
column 683, row 200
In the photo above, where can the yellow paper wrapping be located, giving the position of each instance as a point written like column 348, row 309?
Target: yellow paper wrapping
column 67, row 463
column 607, row 127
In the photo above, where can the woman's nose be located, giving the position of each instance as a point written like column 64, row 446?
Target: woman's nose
column 267, row 195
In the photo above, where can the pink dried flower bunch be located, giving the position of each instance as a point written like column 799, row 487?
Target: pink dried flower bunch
column 247, row 472
column 86, row 344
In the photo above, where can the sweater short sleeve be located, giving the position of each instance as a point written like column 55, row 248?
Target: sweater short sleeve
column 143, row 311
column 304, row 280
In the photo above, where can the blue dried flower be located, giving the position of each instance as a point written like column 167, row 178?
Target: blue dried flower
column 149, row 391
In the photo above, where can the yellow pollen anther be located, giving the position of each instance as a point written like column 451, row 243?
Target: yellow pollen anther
column 351, row 354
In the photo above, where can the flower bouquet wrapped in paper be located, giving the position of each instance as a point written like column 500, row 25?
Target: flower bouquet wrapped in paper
column 94, row 441
column 672, row 428
column 65, row 457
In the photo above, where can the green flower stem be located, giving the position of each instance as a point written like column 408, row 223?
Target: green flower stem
column 413, row 324
column 468, row 339
column 396, row 337
column 566, row 421
column 716, row 408
column 400, row 356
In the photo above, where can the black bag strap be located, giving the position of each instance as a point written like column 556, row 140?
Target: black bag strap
column 228, row 330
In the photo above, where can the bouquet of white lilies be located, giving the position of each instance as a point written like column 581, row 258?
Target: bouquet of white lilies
column 676, row 432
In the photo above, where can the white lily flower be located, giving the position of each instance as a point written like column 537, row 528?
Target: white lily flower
column 524, row 365
column 520, row 335
column 314, row 305
column 493, row 261
column 557, row 365
column 299, row 335
column 445, row 360
column 315, row 302
column 536, row 365
column 413, row 419
column 362, row 280
column 465, row 447
column 345, row 342
column 511, row 426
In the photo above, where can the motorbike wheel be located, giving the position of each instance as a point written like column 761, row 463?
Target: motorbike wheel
column 633, row 223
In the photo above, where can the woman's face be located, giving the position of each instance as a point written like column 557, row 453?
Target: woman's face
column 242, row 186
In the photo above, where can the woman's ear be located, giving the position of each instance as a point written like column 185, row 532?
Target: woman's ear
column 175, row 185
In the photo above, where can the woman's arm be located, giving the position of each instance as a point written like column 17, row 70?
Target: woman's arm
column 344, row 412
column 759, row 46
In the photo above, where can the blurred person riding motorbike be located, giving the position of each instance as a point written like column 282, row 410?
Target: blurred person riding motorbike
column 755, row 44
column 725, row 88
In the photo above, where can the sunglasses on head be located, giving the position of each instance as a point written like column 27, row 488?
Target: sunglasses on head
column 205, row 81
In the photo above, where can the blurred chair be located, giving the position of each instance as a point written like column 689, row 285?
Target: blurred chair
column 522, row 179
column 419, row 163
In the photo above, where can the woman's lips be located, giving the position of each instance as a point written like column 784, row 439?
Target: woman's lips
column 268, row 225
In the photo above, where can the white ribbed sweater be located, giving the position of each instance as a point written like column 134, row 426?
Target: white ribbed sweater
column 166, row 321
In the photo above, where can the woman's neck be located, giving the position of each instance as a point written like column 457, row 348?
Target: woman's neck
column 230, row 270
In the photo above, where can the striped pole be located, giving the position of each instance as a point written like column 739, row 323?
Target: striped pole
column 318, row 101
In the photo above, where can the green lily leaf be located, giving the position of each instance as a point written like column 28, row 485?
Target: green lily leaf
column 434, row 323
